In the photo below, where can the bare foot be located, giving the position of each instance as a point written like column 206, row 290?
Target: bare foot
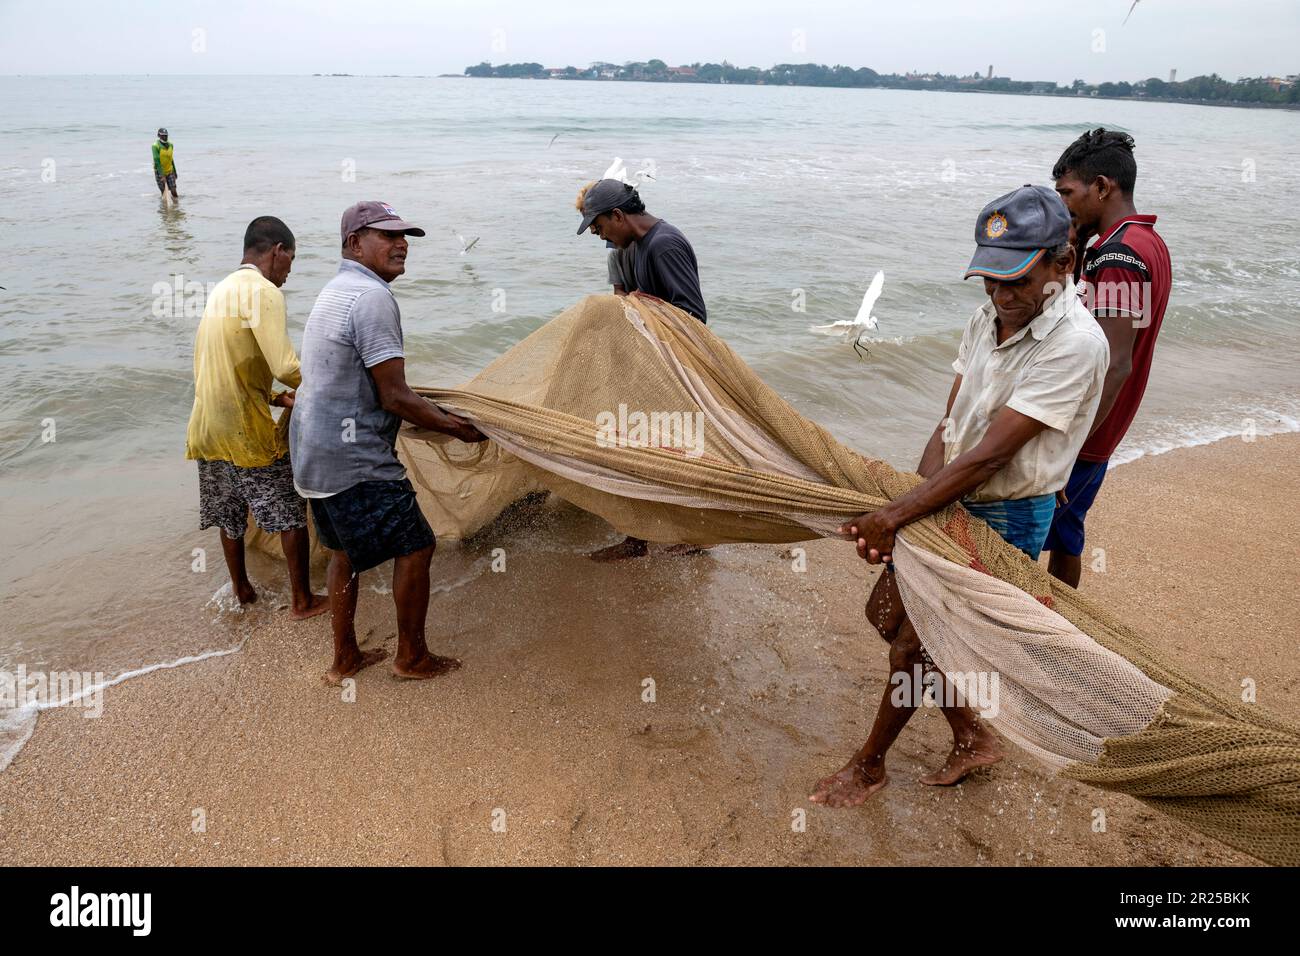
column 320, row 603
column 246, row 593
column 351, row 665
column 850, row 786
column 423, row 668
column 982, row 750
column 683, row 550
column 627, row 548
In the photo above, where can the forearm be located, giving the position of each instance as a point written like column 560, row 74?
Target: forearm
column 950, row 483
column 410, row 407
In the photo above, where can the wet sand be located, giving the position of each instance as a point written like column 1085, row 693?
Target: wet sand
column 764, row 681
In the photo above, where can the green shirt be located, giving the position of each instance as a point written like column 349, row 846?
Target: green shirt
column 162, row 158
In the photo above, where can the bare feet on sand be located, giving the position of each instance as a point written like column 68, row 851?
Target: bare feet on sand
column 246, row 593
column 850, row 786
column 627, row 548
column 425, row 667
column 350, row 666
column 317, row 604
column 982, row 750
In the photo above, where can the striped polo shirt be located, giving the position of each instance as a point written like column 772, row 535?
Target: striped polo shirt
column 339, row 433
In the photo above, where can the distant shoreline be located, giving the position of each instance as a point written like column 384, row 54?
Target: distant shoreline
column 1233, row 104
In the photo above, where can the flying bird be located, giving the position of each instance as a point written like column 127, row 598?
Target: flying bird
column 1130, row 11
column 464, row 245
column 863, row 322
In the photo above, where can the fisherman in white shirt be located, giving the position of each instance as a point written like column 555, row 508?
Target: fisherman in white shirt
column 1030, row 371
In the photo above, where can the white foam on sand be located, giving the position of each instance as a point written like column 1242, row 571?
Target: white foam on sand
column 17, row 723
column 1263, row 421
column 16, row 726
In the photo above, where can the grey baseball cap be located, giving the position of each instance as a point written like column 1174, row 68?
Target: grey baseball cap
column 375, row 215
column 605, row 195
column 1014, row 231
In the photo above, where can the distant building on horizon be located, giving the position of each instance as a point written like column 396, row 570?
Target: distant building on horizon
column 1173, row 76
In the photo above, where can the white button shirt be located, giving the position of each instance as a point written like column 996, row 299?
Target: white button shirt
column 1051, row 370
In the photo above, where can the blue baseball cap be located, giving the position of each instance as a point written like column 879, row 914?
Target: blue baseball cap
column 1014, row 231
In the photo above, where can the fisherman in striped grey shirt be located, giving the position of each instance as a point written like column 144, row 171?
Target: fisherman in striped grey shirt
column 342, row 438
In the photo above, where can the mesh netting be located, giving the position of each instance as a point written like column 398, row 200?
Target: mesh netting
column 1078, row 689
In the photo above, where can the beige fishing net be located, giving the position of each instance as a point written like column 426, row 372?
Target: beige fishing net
column 633, row 410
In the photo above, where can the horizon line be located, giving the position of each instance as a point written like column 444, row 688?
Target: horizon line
column 462, row 74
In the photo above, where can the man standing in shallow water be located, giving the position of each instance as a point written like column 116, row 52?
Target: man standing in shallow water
column 164, row 165
column 343, row 435
column 1029, row 370
column 241, row 348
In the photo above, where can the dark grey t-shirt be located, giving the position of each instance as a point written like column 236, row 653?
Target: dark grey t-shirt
column 665, row 267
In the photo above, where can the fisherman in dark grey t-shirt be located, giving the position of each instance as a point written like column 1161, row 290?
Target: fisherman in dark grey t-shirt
column 664, row 263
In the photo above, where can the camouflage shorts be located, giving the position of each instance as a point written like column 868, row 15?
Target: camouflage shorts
column 227, row 492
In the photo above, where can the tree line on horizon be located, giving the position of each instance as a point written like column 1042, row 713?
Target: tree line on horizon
column 1213, row 87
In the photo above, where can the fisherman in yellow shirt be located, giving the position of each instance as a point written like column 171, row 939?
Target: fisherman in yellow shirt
column 164, row 165
column 242, row 347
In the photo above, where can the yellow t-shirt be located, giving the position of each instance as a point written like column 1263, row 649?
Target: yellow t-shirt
column 242, row 346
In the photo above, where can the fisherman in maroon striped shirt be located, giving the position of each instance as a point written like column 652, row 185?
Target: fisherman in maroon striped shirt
column 1125, row 284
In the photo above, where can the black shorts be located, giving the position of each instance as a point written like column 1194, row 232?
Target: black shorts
column 372, row 522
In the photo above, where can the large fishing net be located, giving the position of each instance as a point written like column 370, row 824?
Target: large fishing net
column 633, row 410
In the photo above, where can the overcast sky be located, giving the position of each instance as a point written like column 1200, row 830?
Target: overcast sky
column 1023, row 39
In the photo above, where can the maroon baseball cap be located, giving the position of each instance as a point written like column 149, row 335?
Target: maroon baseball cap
column 375, row 215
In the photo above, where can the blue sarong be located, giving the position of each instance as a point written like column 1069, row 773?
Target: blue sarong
column 1023, row 522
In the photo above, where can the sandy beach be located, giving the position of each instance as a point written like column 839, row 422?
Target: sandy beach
column 764, row 680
